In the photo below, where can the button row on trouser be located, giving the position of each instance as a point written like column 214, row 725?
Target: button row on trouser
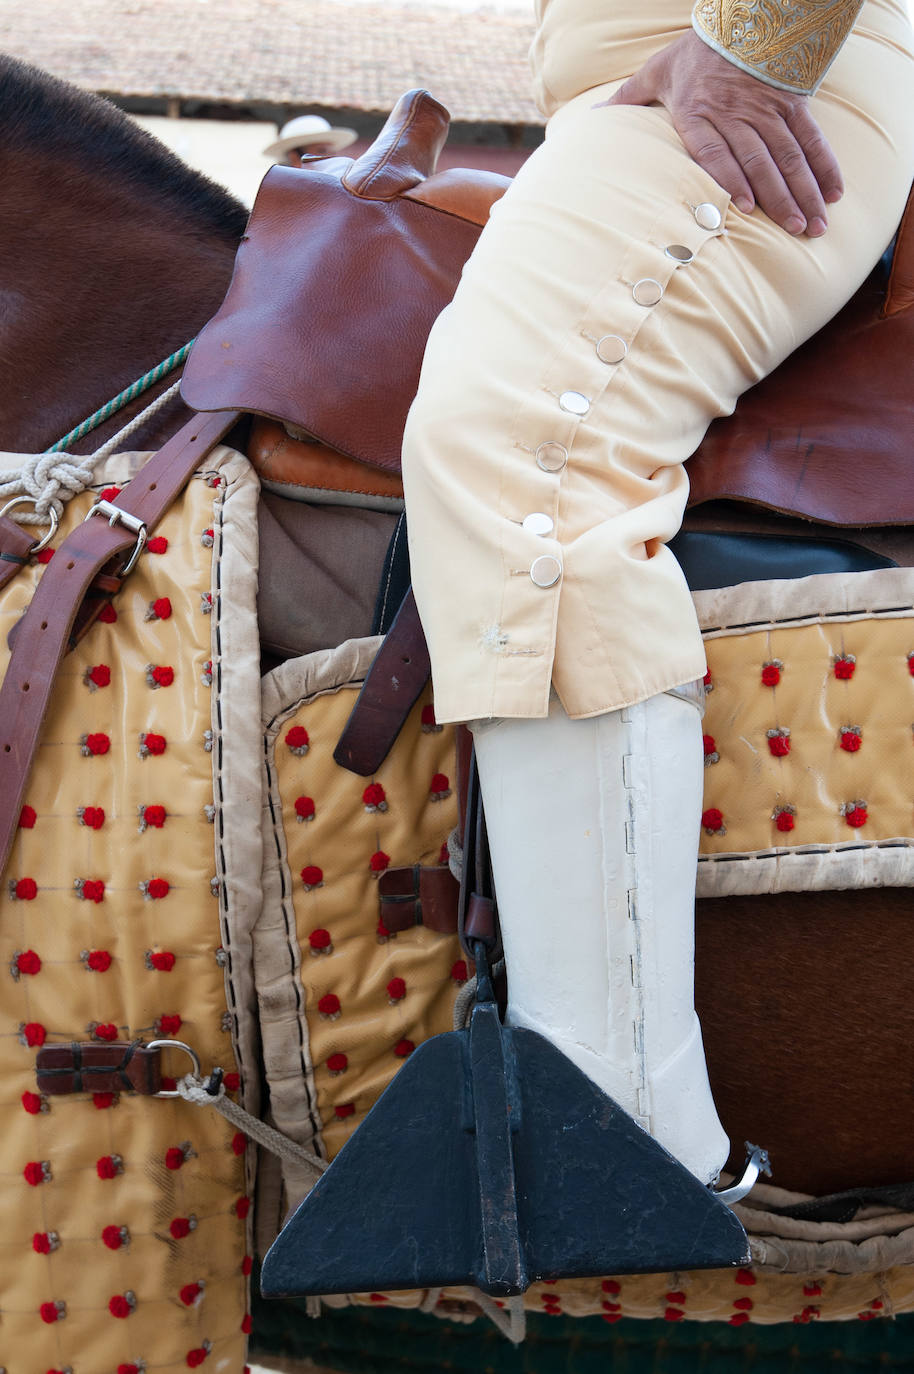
column 538, row 522
column 545, row 571
column 551, row 457
column 707, row 216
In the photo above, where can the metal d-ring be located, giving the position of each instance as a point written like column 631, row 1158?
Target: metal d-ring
column 45, row 539
column 174, row 1045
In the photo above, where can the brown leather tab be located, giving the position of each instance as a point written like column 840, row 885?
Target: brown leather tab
column 97, row 1068
column 900, row 293
column 480, row 919
column 15, row 546
column 43, row 634
column 404, row 152
column 419, row 896
column 388, row 694
column 467, row 193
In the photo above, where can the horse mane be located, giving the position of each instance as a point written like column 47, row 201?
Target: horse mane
column 38, row 112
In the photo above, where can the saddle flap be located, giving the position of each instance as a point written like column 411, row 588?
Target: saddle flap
column 335, row 291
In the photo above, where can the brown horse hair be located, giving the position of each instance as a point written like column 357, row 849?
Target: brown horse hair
column 37, row 111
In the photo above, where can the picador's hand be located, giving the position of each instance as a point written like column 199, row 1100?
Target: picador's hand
column 761, row 144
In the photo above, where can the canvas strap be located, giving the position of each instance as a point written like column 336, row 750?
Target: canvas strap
column 63, row 606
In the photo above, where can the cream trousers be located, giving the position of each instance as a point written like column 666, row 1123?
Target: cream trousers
column 615, row 304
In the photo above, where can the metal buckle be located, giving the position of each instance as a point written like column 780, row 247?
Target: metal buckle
column 45, row 539
column 116, row 516
column 174, row 1045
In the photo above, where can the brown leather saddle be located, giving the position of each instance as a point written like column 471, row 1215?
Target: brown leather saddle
column 346, row 264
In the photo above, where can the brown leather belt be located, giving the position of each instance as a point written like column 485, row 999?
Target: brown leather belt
column 62, row 608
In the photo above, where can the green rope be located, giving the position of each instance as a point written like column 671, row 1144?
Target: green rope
column 124, row 398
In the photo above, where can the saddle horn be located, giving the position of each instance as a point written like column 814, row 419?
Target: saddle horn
column 404, row 153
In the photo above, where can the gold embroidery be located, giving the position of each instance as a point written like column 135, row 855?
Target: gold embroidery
column 787, row 43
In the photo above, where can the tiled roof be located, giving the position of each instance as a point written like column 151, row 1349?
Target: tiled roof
column 339, row 54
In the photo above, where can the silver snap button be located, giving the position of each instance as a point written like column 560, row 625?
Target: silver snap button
column 707, row 215
column 647, row 291
column 551, row 457
column 538, row 522
column 611, row 349
column 679, row 253
column 574, row 402
column 545, row 571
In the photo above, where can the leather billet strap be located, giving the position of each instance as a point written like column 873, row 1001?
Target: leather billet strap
column 16, row 545
column 389, row 692
column 97, row 1068
column 44, row 635
column 419, row 896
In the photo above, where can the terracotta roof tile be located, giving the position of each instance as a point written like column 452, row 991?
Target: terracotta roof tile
column 331, row 53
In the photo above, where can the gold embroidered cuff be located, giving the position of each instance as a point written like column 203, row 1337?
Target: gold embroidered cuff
column 786, row 43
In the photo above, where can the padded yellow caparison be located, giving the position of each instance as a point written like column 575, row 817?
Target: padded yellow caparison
column 123, row 1237
column 786, row 43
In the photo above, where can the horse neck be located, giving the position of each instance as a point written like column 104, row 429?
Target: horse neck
column 97, row 285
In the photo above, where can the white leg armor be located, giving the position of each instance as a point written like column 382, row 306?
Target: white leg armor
column 593, row 826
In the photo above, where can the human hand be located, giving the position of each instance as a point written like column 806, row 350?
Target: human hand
column 761, row 144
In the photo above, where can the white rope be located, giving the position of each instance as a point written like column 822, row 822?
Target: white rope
column 51, row 479
column 193, row 1089
column 511, row 1319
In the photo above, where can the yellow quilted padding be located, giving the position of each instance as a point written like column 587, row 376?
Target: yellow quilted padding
column 124, row 1235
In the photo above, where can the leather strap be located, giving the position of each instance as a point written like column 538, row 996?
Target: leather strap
column 43, row 635
column 97, row 1068
column 16, row 544
column 389, row 692
column 419, row 896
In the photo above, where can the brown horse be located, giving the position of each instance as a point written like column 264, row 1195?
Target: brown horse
column 114, row 256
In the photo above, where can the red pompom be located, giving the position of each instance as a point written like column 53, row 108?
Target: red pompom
column 856, row 814
column 379, row 861
column 320, row 939
column 745, row 1277
column 232, row 1081
column 98, row 960
column 162, row 675
column 102, row 1101
column 190, row 1293
column 196, row 1357
column 247, row 1323
column 106, row 1031
column 92, row 816
column 304, row 808
column 247, row 1264
column 851, row 738
column 403, row 1048
column 120, row 1306
column 785, row 819
column 162, row 960
column 113, row 1237
column 28, row 962
column 242, row 1207
column 26, row 889
column 109, row 494
column 34, row 1034
column 374, row 795
column 158, row 544
column 128, row 1369
column 174, row 1158
column 679, row 1298
column 45, row 555
column 712, row 820
column 180, row 1227
column 739, row 1318
column 155, row 744
column 297, row 738
column 98, row 743
column 41, row 1243
column 844, row 666
column 49, row 1312
column 744, row 1304
column 779, row 742
column 312, row 876
column 344, row 1109
column 329, row 1005
column 440, row 783
column 108, row 615
column 169, row 1024
column 92, row 890
column 337, row 1063
column 428, row 715
column 107, row 1167
column 34, row 1173
column 100, row 675
column 396, row 989
column 611, row 1286
column 27, row 817
column 459, row 971
column 239, row 1142
column 709, row 744
column 31, row 1103
column 161, row 608
column 155, row 816
column 771, row 673
column 673, row 1314
column 157, row 888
